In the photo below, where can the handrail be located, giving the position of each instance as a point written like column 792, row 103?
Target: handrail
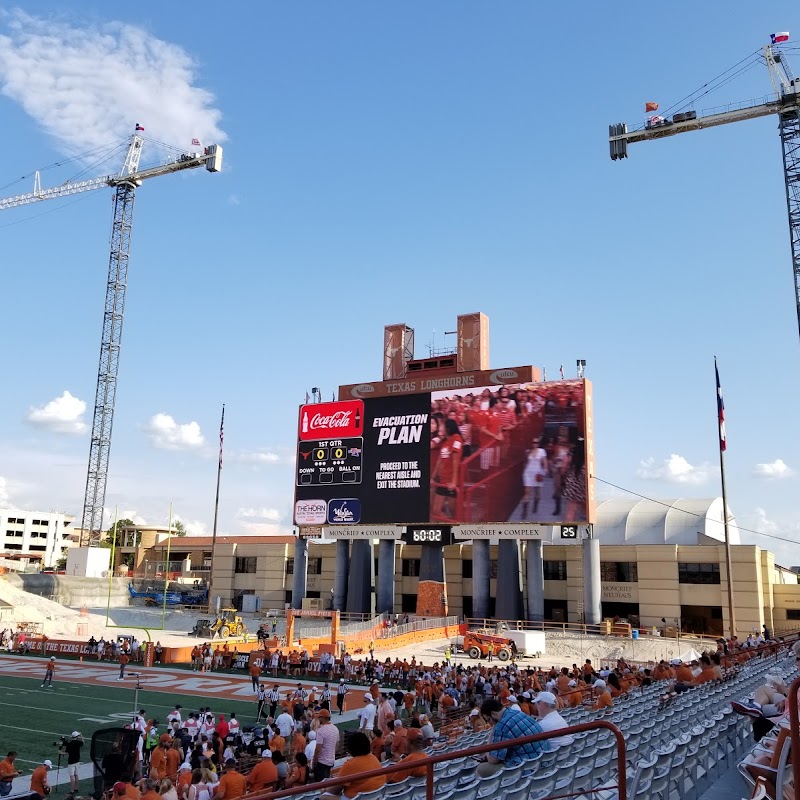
column 430, row 761
column 794, row 731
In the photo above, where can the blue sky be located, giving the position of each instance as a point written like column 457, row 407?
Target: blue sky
column 384, row 163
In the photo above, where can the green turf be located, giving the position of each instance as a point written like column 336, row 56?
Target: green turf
column 32, row 718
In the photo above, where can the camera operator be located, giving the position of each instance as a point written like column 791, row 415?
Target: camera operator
column 73, row 750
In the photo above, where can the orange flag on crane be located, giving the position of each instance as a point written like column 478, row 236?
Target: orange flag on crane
column 650, row 107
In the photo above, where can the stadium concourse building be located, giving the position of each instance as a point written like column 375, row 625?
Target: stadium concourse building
column 659, row 560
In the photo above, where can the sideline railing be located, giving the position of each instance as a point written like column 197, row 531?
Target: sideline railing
column 418, row 625
column 621, row 786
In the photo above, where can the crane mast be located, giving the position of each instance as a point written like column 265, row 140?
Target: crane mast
column 124, row 184
column 785, row 103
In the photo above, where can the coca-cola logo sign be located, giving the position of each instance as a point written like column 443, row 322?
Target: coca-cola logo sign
column 337, row 420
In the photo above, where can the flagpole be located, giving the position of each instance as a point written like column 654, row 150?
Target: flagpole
column 216, row 512
column 722, row 446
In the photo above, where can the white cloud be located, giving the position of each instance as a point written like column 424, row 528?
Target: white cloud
column 258, row 457
column 5, row 493
column 63, row 414
column 675, row 469
column 87, row 86
column 166, row 434
column 263, row 513
column 759, row 521
column 775, row 470
column 194, row 527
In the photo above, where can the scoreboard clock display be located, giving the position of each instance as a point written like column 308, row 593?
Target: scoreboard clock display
column 329, row 462
column 428, row 534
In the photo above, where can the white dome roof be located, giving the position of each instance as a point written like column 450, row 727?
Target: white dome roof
column 671, row 521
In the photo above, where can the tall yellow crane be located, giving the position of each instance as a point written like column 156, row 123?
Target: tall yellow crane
column 125, row 183
column 785, row 103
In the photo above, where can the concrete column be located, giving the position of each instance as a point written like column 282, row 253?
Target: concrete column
column 535, row 578
column 341, row 574
column 384, row 589
column 480, row 578
column 509, row 592
column 592, row 610
column 359, row 585
column 300, row 571
column 432, row 591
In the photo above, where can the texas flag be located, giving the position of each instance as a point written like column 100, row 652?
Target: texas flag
column 195, row 142
column 777, row 38
column 139, row 127
column 723, row 439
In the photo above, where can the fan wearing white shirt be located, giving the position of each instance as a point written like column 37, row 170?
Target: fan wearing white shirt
column 550, row 720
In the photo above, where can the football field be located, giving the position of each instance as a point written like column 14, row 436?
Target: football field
column 32, row 719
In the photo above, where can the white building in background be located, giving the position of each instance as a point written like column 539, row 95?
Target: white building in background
column 34, row 537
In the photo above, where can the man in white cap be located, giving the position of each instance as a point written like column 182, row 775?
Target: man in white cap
column 39, row 785
column 73, row 749
column 48, row 674
column 550, row 719
column 366, row 717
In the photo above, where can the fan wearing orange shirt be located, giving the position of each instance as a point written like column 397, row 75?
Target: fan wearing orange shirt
column 158, row 758
column 416, row 753
column 362, row 761
column 39, row 785
column 150, row 792
column 264, row 775
column 232, row 784
column 603, row 696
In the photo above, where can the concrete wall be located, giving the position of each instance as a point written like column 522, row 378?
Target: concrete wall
column 73, row 591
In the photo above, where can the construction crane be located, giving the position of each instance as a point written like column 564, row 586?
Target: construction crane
column 785, row 103
column 125, row 183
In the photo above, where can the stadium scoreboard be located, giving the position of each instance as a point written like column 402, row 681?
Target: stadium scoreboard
column 329, row 462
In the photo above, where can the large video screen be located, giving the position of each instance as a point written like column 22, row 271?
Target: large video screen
column 510, row 453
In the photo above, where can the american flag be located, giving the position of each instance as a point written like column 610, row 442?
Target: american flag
column 723, row 440
column 561, row 370
column 307, row 398
column 221, row 434
column 544, row 374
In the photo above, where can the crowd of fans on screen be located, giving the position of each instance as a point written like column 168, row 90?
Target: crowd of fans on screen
column 207, row 756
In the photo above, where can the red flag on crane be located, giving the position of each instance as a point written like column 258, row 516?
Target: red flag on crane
column 648, row 107
column 777, row 38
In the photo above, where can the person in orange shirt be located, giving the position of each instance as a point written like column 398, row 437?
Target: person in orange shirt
column 174, row 757
column 603, row 696
column 298, row 742
column 255, row 674
column 277, row 742
column 362, row 761
column 158, row 759
column 124, row 658
column 150, row 790
column 48, row 674
column 232, row 784
column 8, row 772
column 416, row 753
column 184, row 781
column 399, row 740
column 264, row 775
column 39, row 784
column 120, row 791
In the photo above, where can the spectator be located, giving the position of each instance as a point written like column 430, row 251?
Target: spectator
column 281, row 766
column 509, row 724
column 325, row 752
column 416, row 743
column 298, row 775
column 264, row 775
column 551, row 720
column 167, row 790
column 232, row 784
column 362, row 761
column 367, row 716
